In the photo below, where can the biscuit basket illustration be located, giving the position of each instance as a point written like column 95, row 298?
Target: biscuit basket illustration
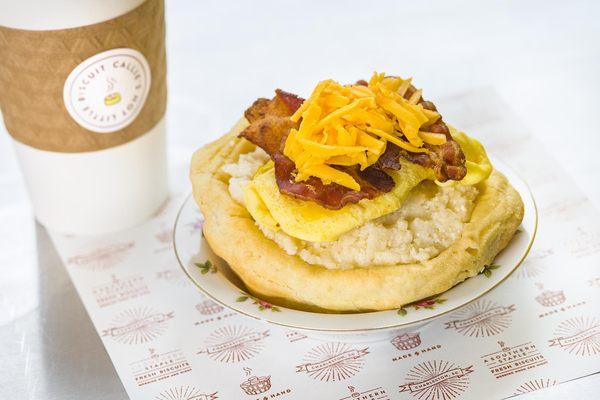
column 551, row 298
column 256, row 385
column 406, row 341
column 208, row 307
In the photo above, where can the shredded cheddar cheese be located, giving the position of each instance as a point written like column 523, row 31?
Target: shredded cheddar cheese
column 351, row 125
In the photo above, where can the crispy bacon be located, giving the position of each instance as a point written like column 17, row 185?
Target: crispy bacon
column 372, row 182
column 257, row 110
column 390, row 157
column 332, row 196
column 292, row 101
column 269, row 133
column 446, row 160
column 283, row 104
column 371, row 176
column 270, row 120
column 268, row 129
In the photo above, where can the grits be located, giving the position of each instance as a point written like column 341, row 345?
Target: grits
column 430, row 220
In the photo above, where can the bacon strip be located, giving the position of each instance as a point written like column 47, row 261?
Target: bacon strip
column 372, row 182
column 270, row 121
column 446, row 160
column 292, row 101
column 332, row 196
column 268, row 129
column 269, row 133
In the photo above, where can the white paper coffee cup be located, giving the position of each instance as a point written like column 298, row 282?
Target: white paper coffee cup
column 87, row 114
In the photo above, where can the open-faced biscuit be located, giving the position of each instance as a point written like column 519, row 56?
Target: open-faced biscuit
column 272, row 274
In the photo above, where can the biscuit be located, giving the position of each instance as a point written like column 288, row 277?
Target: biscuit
column 272, row 274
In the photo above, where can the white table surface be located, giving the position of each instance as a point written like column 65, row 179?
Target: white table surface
column 543, row 57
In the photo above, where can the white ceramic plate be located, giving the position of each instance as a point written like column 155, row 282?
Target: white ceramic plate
column 213, row 276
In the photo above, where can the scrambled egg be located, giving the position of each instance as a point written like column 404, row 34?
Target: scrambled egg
column 312, row 222
column 428, row 222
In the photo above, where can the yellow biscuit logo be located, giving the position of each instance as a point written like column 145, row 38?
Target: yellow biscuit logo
column 112, row 99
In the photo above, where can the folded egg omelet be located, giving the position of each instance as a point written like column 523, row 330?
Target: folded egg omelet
column 310, row 221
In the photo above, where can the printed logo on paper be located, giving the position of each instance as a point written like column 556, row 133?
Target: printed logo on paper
column 436, row 380
column 407, row 341
column 174, row 276
column 579, row 336
column 107, row 91
column 186, row 393
column 482, row 318
column 208, row 307
column 138, row 325
column 119, row 290
column 554, row 302
column 561, row 207
column 231, row 344
column 164, row 238
column 550, row 298
column 164, row 208
column 534, row 265
column 294, row 336
column 585, row 243
column 159, row 367
column 212, row 312
column 259, row 384
column 102, row 258
column 378, row 393
column 254, row 385
column 534, row 385
column 511, row 360
column 333, row 362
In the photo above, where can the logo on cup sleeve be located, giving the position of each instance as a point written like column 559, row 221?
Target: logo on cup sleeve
column 106, row 92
